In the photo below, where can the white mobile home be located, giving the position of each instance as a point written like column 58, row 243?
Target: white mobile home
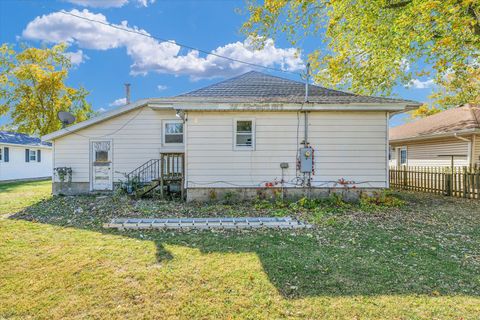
column 242, row 135
column 23, row 157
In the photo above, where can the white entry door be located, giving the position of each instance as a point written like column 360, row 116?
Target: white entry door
column 101, row 155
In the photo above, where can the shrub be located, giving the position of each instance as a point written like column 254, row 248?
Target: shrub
column 380, row 200
column 229, row 197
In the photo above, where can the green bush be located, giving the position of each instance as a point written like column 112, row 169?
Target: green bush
column 380, row 200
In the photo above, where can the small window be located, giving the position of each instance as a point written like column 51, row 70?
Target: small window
column 1, row 154
column 403, row 156
column 101, row 156
column 244, row 134
column 173, row 132
column 32, row 155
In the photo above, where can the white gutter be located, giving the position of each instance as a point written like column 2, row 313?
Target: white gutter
column 24, row 145
column 286, row 107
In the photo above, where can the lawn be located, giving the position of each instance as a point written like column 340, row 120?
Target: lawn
column 17, row 195
column 419, row 261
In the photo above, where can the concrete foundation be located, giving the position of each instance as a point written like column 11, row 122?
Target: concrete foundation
column 70, row 189
column 235, row 194
column 240, row 194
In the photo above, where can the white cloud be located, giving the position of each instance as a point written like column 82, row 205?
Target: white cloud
column 102, row 110
column 419, row 84
column 108, row 3
column 76, row 58
column 405, row 65
column 118, row 102
column 150, row 55
column 161, row 87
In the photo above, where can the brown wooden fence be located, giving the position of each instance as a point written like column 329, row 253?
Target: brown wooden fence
column 457, row 182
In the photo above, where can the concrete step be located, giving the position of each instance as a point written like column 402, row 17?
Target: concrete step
column 207, row 223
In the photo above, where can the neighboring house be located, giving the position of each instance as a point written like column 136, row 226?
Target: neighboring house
column 436, row 140
column 239, row 135
column 23, row 157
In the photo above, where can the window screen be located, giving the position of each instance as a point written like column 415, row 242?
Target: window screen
column 173, row 132
column 244, row 133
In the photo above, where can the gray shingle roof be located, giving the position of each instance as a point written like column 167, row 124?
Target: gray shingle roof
column 255, row 86
column 21, row 139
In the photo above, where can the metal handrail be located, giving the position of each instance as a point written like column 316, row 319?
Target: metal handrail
column 147, row 172
column 170, row 164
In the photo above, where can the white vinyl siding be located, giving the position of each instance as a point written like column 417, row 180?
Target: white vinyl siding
column 433, row 152
column 349, row 145
column 476, row 150
column 18, row 168
column 133, row 144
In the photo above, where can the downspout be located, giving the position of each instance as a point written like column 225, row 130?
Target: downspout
column 469, row 146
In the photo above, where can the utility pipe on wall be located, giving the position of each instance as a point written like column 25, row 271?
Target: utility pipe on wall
column 307, row 79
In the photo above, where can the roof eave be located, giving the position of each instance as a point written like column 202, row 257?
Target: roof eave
column 278, row 106
column 24, row 145
column 102, row 117
column 437, row 135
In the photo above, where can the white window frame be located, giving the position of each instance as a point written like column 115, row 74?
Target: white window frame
column 400, row 150
column 164, row 124
column 34, row 159
column 247, row 148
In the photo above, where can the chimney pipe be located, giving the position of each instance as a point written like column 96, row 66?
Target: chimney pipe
column 127, row 93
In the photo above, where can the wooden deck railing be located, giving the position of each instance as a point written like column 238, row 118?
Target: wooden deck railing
column 457, row 182
column 172, row 169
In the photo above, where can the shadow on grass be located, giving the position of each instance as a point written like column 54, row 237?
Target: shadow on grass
column 342, row 259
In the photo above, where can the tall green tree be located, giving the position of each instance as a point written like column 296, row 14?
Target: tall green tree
column 369, row 46
column 33, row 89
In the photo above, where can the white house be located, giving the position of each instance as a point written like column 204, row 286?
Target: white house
column 243, row 135
column 440, row 140
column 23, row 157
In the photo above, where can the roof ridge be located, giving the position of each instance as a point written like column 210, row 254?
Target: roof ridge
column 216, row 83
column 267, row 75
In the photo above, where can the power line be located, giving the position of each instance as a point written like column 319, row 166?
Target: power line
column 177, row 43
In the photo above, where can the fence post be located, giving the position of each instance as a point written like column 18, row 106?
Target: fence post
column 448, row 182
column 405, row 180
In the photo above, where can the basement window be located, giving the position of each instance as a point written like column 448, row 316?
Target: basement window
column 173, row 132
column 244, row 134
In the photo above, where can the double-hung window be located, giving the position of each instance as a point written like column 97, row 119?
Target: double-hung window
column 173, row 132
column 403, row 156
column 244, row 134
column 32, row 155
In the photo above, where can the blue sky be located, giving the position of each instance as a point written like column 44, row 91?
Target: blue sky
column 106, row 58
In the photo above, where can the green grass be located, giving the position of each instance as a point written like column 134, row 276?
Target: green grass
column 420, row 261
column 15, row 196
